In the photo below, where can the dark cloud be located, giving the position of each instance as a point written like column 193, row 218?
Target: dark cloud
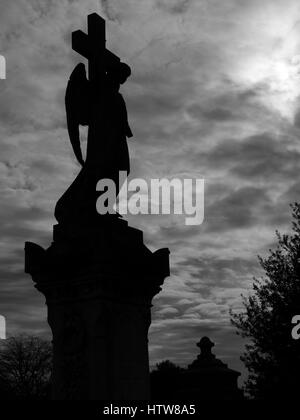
column 234, row 104
column 264, row 157
column 297, row 119
column 217, row 270
column 239, row 210
column 218, row 114
column 175, row 7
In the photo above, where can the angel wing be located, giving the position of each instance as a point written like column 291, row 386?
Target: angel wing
column 77, row 107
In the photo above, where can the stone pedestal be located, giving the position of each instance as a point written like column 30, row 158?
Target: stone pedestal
column 99, row 280
column 208, row 378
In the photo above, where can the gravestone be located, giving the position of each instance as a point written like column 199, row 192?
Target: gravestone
column 208, row 378
column 98, row 276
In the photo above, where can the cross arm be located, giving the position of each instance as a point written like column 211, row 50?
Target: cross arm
column 80, row 43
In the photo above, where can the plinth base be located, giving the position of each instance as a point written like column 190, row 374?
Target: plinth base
column 99, row 281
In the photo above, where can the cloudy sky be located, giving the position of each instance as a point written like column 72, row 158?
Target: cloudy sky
column 214, row 94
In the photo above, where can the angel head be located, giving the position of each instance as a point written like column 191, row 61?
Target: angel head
column 119, row 73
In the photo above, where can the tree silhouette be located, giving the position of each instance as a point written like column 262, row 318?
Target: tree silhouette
column 165, row 381
column 273, row 356
column 25, row 366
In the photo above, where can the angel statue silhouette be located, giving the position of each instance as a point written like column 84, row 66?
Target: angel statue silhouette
column 104, row 111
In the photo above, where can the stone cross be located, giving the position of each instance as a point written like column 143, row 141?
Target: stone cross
column 100, row 59
column 92, row 47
